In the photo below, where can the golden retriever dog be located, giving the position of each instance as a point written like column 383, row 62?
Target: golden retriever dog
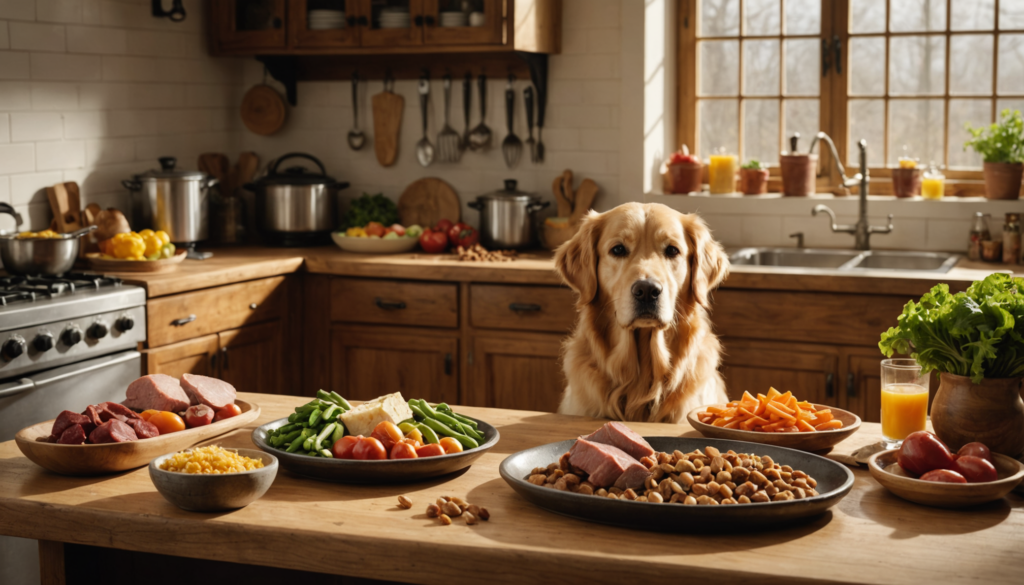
column 643, row 349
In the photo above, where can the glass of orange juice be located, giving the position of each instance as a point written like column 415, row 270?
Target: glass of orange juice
column 904, row 400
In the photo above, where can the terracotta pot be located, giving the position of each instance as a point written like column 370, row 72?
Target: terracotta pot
column 686, row 177
column 991, row 412
column 798, row 172
column 753, row 181
column 906, row 182
column 1002, row 180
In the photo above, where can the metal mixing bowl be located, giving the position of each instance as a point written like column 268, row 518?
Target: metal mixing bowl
column 39, row 256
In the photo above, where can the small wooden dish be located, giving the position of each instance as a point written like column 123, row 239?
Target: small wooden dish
column 96, row 262
column 114, row 457
column 803, row 441
column 884, row 468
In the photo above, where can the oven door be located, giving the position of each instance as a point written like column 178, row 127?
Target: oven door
column 26, row 401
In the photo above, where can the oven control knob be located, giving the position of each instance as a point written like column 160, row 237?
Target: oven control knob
column 43, row 342
column 71, row 336
column 99, row 330
column 125, row 323
column 13, row 348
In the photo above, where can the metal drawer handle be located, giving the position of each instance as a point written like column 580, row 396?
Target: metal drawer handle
column 524, row 307
column 183, row 321
column 830, row 390
column 389, row 304
column 447, row 364
column 851, row 386
column 252, row 306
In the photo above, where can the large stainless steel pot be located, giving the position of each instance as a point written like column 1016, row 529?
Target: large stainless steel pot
column 296, row 206
column 38, row 256
column 172, row 200
column 506, row 217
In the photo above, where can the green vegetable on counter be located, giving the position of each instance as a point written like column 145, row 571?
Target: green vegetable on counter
column 311, row 426
column 370, row 208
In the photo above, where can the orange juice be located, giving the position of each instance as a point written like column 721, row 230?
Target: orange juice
column 904, row 410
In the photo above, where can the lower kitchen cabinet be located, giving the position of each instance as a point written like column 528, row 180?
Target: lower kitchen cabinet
column 515, row 370
column 192, row 356
column 251, row 358
column 810, row 371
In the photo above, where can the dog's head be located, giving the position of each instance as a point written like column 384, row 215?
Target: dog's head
column 644, row 262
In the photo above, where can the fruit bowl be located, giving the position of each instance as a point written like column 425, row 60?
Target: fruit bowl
column 374, row 245
column 887, row 471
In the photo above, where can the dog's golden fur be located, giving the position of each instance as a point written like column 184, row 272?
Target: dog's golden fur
column 641, row 367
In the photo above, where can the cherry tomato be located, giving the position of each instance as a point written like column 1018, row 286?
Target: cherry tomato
column 145, row 414
column 450, row 445
column 342, row 448
column 922, row 452
column 973, row 450
column 198, row 415
column 369, row 448
column 415, row 434
column 975, row 469
column 228, row 411
column 403, row 450
column 387, row 433
column 432, row 450
column 944, row 476
column 443, row 226
column 167, row 422
column 409, row 440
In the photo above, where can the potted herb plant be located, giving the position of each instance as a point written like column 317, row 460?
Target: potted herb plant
column 753, row 178
column 975, row 341
column 1001, row 146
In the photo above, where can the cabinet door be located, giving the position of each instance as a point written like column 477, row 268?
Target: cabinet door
column 862, row 383
column 249, row 26
column 193, row 356
column 810, row 371
column 516, row 371
column 445, row 24
column 251, row 358
column 367, row 362
column 323, row 24
column 390, row 23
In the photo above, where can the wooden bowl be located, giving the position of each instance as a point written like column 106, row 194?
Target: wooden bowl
column 96, row 262
column 884, row 468
column 804, row 441
column 201, row 492
column 114, row 457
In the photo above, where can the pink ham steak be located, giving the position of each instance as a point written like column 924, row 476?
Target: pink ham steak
column 73, row 435
column 112, row 431
column 156, row 392
column 619, row 435
column 607, row 465
column 209, row 391
column 68, row 419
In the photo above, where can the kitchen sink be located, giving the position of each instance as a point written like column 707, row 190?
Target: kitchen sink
column 846, row 260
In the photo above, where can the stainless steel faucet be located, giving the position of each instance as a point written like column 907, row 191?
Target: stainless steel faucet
column 861, row 230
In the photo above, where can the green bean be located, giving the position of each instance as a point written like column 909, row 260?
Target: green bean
column 327, row 453
column 289, row 437
column 464, row 420
column 339, row 432
column 329, row 413
column 468, row 430
column 306, row 408
column 296, row 443
column 467, row 441
column 307, row 445
column 429, row 436
column 428, row 410
column 328, row 429
column 415, row 408
column 341, row 401
column 294, row 417
column 284, row 430
column 315, row 417
column 322, row 395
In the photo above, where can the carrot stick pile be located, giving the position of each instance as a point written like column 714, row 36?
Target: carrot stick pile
column 774, row 413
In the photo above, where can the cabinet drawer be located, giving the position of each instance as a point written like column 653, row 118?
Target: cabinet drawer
column 192, row 314
column 532, row 308
column 394, row 302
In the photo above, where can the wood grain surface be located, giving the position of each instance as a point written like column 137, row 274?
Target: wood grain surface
column 263, row 110
column 387, row 122
column 529, row 308
column 394, row 302
column 427, row 201
column 871, row 536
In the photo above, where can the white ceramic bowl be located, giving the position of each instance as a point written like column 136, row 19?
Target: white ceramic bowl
column 201, row 492
column 374, row 245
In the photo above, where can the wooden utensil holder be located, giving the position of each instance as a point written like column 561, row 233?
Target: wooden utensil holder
column 798, row 174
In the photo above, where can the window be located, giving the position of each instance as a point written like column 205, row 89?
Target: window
column 906, row 75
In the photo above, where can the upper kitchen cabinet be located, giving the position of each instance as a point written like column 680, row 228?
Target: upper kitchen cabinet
column 324, row 23
column 247, row 26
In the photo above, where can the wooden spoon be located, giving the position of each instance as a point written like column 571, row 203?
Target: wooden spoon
column 585, row 196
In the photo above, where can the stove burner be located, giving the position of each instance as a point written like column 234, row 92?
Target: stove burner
column 18, row 288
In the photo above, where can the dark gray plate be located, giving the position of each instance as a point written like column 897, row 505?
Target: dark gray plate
column 387, row 471
column 834, row 482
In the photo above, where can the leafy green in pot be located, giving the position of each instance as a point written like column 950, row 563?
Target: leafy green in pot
column 977, row 333
column 370, row 208
column 1002, row 142
column 754, row 165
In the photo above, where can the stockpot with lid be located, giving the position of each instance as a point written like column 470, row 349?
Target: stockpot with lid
column 506, row 217
column 172, row 200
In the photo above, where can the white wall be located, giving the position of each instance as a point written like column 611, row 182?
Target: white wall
column 94, row 91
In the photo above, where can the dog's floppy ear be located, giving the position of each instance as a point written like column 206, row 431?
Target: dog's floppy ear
column 708, row 263
column 576, row 259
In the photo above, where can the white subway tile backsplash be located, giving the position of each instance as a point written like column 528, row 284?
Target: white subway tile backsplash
column 5, row 192
column 27, row 127
column 96, row 40
column 579, row 116
column 14, row 65
column 5, row 127
column 588, row 66
column 109, row 151
column 67, row 11
column 54, row 96
column 34, row 36
column 86, row 124
column 31, row 188
column 17, row 158
column 18, row 9
column 66, row 67
column 60, row 155
column 92, row 11
column 604, row 40
column 599, row 139
column 15, row 95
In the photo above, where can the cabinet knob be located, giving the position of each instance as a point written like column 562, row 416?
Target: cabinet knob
column 447, row 364
column 363, row 21
column 524, row 307
column 830, row 390
column 276, row 22
column 418, row 20
column 252, row 306
column 429, row 20
column 224, row 357
column 851, row 386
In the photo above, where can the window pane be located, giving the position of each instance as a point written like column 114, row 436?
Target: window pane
column 1011, row 64
column 719, row 123
column 867, row 16
column 970, row 65
column 867, row 121
column 719, row 67
column 761, row 131
column 803, row 17
column 867, row 66
column 1009, row 104
column 761, row 67
column 972, row 15
column 719, row 18
column 803, row 66
column 918, row 124
column 918, row 15
column 975, row 112
column 1011, row 14
column 761, row 17
column 917, row 65
column 802, row 117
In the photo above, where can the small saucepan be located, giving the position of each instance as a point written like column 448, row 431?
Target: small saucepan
column 38, row 256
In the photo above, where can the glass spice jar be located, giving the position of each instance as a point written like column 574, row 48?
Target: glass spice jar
column 979, row 234
column 1011, row 239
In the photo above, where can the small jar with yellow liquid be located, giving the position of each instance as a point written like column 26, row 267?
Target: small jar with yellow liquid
column 722, row 170
column 933, row 186
column 904, row 400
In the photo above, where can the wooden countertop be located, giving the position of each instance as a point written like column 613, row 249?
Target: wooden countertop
column 871, row 536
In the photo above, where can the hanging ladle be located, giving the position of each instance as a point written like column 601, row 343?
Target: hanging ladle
column 356, row 138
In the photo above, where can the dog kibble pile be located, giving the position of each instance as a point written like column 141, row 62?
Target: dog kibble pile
column 477, row 253
column 448, row 507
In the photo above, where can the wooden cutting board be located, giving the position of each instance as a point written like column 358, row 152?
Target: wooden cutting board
column 66, row 205
column 387, row 121
column 263, row 110
column 427, row 201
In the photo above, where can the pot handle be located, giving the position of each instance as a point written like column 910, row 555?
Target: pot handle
column 6, row 208
column 476, row 205
column 132, row 184
column 277, row 163
column 79, row 233
column 211, row 181
column 537, row 206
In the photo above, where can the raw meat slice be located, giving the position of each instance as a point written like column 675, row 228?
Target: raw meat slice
column 119, row 410
column 209, row 391
column 634, row 477
column 144, row 429
column 112, row 431
column 93, row 412
column 619, row 435
column 156, row 392
column 68, row 419
column 73, row 435
column 605, row 464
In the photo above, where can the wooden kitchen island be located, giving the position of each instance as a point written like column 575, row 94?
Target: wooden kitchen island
column 871, row 536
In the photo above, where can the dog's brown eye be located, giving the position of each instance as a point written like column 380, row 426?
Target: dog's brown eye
column 671, row 252
column 619, row 250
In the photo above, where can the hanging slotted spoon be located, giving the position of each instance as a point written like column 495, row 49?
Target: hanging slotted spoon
column 449, row 144
column 424, row 149
column 512, row 146
column 356, row 138
column 480, row 137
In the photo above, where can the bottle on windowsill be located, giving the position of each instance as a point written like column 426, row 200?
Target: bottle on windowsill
column 979, row 234
column 1011, row 239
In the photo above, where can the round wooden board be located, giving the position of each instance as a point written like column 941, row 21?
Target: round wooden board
column 108, row 265
column 263, row 110
column 427, row 201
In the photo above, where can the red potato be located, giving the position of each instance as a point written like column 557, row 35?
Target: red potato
column 198, row 416
column 229, row 411
column 943, row 476
column 976, row 450
column 975, row 469
column 922, row 452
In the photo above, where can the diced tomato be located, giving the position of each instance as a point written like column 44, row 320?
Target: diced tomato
column 343, row 447
column 403, row 450
column 369, row 448
column 229, row 411
column 432, row 450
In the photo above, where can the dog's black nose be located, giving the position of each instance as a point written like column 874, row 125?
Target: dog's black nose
column 646, row 290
